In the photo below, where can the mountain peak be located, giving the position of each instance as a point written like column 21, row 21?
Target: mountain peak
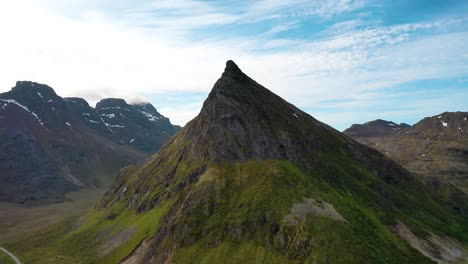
column 111, row 102
column 249, row 149
column 243, row 120
column 375, row 129
column 146, row 108
column 233, row 71
column 231, row 66
column 25, row 88
column 77, row 100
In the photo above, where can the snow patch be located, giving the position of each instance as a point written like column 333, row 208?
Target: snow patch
column 131, row 140
column 423, row 155
column 391, row 124
column 294, row 114
column 11, row 101
column 110, row 125
column 444, row 124
column 68, row 124
column 86, row 114
column 50, row 101
column 40, row 95
column 106, row 125
column 439, row 117
column 38, row 119
column 149, row 116
column 108, row 115
column 116, row 107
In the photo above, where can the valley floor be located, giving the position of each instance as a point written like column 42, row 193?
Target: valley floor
column 19, row 220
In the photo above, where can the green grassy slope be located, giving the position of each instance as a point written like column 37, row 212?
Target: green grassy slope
column 5, row 259
column 237, row 213
column 253, row 179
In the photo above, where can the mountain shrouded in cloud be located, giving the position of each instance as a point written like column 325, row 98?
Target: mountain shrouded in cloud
column 52, row 145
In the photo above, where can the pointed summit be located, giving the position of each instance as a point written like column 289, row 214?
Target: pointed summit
column 233, row 71
column 253, row 179
column 231, row 66
column 243, row 120
column 32, row 90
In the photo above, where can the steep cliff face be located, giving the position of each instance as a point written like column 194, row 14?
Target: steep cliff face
column 52, row 145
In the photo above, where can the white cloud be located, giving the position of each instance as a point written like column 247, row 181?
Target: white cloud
column 131, row 53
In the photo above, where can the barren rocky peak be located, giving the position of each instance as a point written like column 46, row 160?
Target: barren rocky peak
column 243, row 120
column 254, row 171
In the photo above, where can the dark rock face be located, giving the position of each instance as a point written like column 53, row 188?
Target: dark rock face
column 51, row 145
column 242, row 120
column 140, row 125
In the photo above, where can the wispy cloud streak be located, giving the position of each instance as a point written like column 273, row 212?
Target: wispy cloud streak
column 145, row 49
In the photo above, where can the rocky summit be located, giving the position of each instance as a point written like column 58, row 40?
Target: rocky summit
column 52, row 145
column 253, row 179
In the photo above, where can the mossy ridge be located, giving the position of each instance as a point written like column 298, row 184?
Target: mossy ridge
column 244, row 203
column 280, row 184
column 248, row 177
column 254, row 196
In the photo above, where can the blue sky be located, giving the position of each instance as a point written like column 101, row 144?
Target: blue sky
column 342, row 61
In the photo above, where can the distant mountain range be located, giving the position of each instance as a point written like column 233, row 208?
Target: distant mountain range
column 373, row 131
column 435, row 149
column 253, row 179
column 51, row 145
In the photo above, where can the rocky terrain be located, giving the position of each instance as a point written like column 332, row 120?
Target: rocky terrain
column 253, row 179
column 138, row 125
column 435, row 149
column 52, row 145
